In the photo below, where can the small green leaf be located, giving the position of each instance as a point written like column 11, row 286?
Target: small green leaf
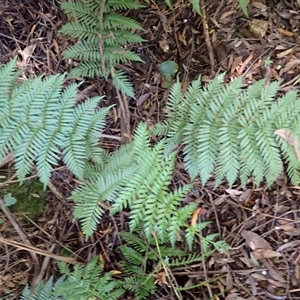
column 243, row 5
column 9, row 200
column 167, row 69
column 196, row 6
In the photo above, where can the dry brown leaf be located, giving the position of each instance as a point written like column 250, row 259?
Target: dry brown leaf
column 293, row 141
column 233, row 192
column 285, row 32
column 234, row 296
column 255, row 241
column 265, row 253
column 290, row 65
column 27, row 53
column 143, row 98
column 258, row 27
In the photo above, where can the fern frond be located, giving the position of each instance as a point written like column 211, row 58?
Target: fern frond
column 121, row 37
column 114, row 20
column 85, row 50
column 121, row 82
column 88, row 69
column 123, row 4
column 87, row 198
column 86, row 12
column 40, row 122
column 230, row 131
column 8, row 77
column 106, row 34
column 141, row 286
column 86, row 282
column 44, row 290
column 82, row 31
column 133, row 256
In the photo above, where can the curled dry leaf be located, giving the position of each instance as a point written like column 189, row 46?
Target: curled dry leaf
column 258, row 27
column 265, row 253
column 292, row 140
column 255, row 241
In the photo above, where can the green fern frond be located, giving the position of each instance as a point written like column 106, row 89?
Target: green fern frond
column 123, row 4
column 121, row 37
column 44, row 290
column 88, row 198
column 88, row 282
column 8, row 77
column 88, row 69
column 141, row 286
column 40, row 123
column 84, row 50
column 147, row 194
column 85, row 12
column 114, row 20
column 81, row 31
column 230, row 131
column 121, row 82
column 133, row 256
column 102, row 33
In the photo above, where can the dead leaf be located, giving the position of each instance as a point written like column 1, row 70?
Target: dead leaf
column 290, row 65
column 265, row 253
column 255, row 241
column 285, row 32
column 287, row 135
column 27, row 52
column 258, row 27
column 142, row 99
column 195, row 216
column 221, row 199
column 234, row 296
column 234, row 193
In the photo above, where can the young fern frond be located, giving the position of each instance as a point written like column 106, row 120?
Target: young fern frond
column 44, row 290
column 102, row 35
column 81, row 283
column 230, row 131
column 102, row 185
column 39, row 124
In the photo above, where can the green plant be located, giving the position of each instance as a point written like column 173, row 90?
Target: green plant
column 167, row 69
column 244, row 4
column 231, row 131
column 40, row 122
column 103, row 36
column 84, row 282
column 139, row 254
column 137, row 177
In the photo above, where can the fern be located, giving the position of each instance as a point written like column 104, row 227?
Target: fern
column 38, row 123
column 102, row 36
column 44, row 290
column 139, row 254
column 230, row 131
column 81, row 283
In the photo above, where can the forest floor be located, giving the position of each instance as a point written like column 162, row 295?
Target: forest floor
column 260, row 224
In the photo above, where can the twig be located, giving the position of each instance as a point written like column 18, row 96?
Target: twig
column 24, row 238
column 31, row 249
column 207, row 40
column 124, row 111
column 8, row 158
column 45, row 265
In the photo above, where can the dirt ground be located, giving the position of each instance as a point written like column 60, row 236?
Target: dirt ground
column 264, row 45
